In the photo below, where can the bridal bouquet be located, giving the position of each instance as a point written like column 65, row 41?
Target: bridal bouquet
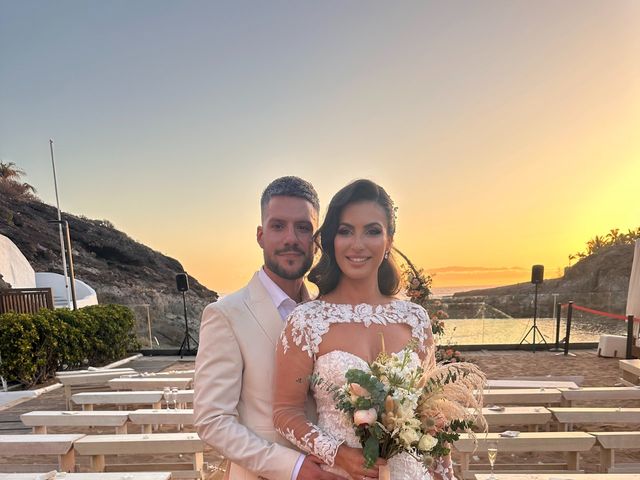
column 402, row 405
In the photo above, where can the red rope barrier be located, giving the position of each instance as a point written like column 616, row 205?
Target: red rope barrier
column 598, row 312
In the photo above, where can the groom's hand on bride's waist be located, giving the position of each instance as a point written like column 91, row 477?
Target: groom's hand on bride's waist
column 310, row 470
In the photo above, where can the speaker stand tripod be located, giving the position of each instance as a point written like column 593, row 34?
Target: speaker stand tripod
column 534, row 328
column 186, row 342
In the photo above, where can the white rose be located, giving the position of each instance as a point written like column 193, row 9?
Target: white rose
column 409, row 436
column 360, row 417
column 426, row 443
column 405, row 412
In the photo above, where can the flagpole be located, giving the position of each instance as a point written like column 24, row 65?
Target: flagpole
column 64, row 257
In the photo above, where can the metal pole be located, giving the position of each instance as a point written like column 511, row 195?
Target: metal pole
column 73, row 277
column 629, row 336
column 569, row 315
column 558, row 316
column 149, row 327
column 535, row 317
column 186, row 323
column 64, row 261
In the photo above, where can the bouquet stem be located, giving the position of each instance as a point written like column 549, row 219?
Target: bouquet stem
column 384, row 473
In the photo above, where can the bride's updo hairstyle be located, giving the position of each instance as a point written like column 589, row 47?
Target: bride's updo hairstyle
column 326, row 273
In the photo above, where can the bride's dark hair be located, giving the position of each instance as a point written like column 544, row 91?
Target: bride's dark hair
column 326, row 273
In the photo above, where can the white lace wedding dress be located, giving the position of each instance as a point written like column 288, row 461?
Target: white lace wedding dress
column 298, row 358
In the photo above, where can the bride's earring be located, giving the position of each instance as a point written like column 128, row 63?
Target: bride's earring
column 386, row 255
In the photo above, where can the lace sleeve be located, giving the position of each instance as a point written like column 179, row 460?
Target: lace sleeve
column 423, row 333
column 294, row 366
column 442, row 469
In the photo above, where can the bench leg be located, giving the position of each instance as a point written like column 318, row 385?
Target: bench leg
column 629, row 377
column 573, row 460
column 67, row 461
column 147, row 428
column 607, row 459
column 121, row 430
column 87, row 407
column 67, row 397
column 41, row 429
column 198, row 463
column 97, row 463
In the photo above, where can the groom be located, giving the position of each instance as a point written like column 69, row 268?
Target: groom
column 238, row 335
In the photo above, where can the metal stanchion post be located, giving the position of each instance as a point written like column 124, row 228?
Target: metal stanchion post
column 569, row 317
column 629, row 336
column 558, row 318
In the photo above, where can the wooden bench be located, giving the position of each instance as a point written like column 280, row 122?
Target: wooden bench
column 40, row 420
column 570, row 443
column 533, row 417
column 60, row 445
column 577, row 379
column 97, row 446
column 522, row 396
column 147, row 418
column 590, row 394
column 151, row 398
column 529, row 384
column 629, row 371
column 89, row 399
column 566, row 416
column 124, row 370
column 609, row 442
column 91, row 476
column 95, row 379
column 170, row 373
column 149, row 383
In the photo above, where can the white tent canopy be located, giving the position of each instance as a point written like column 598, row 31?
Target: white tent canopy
column 14, row 266
column 633, row 297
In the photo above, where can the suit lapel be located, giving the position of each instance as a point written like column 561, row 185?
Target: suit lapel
column 263, row 310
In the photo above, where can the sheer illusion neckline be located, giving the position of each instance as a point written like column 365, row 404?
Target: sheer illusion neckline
column 354, row 306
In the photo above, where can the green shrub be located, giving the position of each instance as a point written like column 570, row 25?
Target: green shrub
column 34, row 346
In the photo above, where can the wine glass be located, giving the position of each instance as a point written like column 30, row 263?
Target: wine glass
column 166, row 394
column 174, row 397
column 492, row 452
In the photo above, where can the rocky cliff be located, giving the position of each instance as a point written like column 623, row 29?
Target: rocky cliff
column 599, row 281
column 120, row 269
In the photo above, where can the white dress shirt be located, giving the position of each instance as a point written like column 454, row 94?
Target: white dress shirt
column 285, row 306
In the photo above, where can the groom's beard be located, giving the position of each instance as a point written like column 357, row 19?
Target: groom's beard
column 272, row 264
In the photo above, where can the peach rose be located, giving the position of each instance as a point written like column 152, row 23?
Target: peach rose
column 360, row 417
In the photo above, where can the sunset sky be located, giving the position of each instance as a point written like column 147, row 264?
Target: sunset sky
column 507, row 132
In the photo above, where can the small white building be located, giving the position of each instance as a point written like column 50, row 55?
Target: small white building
column 17, row 271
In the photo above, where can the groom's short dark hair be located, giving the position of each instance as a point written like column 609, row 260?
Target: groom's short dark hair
column 289, row 187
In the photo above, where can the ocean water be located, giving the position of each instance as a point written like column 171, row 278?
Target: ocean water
column 439, row 292
column 479, row 331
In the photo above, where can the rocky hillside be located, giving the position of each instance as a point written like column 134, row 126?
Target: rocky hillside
column 119, row 269
column 600, row 281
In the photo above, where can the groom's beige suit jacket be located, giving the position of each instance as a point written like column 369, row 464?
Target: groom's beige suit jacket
column 234, row 385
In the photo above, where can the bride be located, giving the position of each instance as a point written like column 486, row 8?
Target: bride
column 357, row 279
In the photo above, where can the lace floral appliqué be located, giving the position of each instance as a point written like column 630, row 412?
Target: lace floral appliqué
column 322, row 445
column 311, row 320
